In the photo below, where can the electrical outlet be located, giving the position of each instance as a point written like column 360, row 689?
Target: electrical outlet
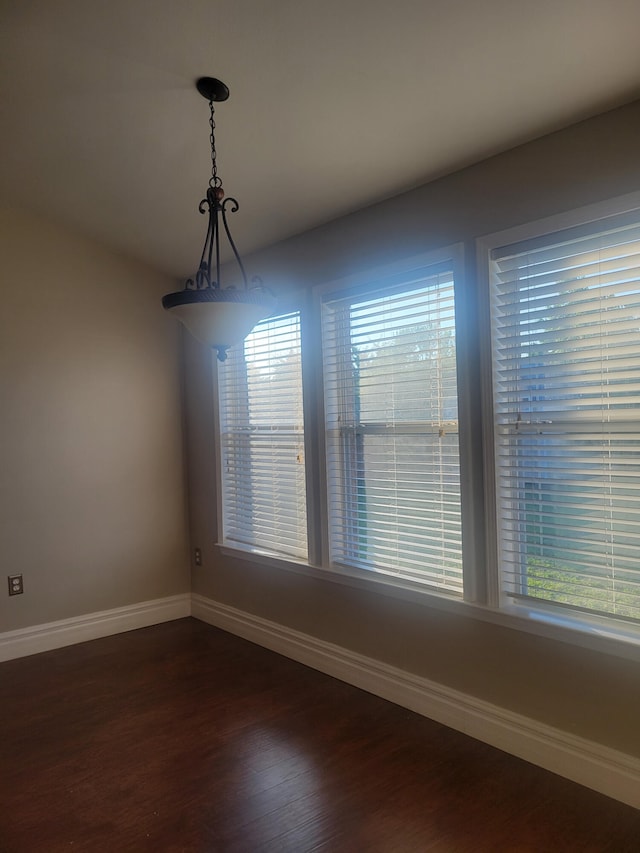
column 197, row 556
column 16, row 586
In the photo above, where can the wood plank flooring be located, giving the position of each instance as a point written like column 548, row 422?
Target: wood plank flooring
column 181, row 737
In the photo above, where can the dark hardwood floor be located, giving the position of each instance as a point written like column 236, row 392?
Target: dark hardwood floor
column 183, row 738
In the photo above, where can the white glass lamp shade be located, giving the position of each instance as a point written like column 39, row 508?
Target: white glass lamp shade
column 220, row 318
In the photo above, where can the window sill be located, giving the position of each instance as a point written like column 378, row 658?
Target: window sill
column 607, row 639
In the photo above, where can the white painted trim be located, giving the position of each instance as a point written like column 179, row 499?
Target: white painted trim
column 561, row 221
column 79, row 629
column 598, row 767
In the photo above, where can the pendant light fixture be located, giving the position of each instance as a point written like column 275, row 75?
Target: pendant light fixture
column 215, row 315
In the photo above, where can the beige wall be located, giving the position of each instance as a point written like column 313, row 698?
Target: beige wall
column 92, row 501
column 590, row 694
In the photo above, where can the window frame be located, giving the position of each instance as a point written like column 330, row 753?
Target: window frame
column 361, row 281
column 238, row 549
column 572, row 624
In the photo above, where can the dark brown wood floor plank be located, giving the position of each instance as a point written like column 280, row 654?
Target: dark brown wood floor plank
column 183, row 738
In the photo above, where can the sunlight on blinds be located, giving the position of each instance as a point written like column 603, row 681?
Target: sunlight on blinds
column 566, row 332
column 392, row 430
column 262, row 441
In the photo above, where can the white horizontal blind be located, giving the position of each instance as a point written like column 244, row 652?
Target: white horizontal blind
column 566, row 349
column 262, row 441
column 392, row 429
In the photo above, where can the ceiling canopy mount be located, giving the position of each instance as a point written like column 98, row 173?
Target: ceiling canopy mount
column 212, row 89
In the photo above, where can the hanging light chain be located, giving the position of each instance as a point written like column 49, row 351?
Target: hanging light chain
column 214, row 180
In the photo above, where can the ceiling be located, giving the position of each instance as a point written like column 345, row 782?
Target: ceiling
column 334, row 104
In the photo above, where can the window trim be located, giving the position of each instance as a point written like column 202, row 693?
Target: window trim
column 359, row 281
column 571, row 623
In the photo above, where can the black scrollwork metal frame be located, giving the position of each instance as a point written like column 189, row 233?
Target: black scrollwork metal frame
column 217, row 210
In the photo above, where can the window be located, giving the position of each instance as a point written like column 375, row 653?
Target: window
column 391, row 413
column 387, row 463
column 477, row 442
column 566, row 386
column 262, row 441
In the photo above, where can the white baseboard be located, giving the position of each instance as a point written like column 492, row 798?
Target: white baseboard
column 78, row 629
column 605, row 770
column 598, row 767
